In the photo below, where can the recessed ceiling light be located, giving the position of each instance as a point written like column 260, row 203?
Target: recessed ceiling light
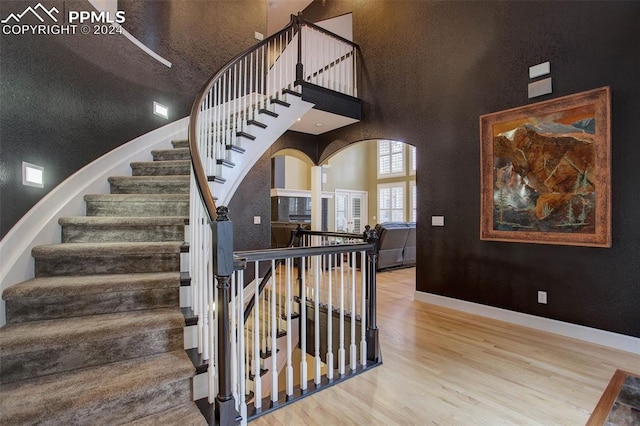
column 299, row 119
column 319, row 124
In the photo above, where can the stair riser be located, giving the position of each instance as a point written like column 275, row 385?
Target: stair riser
column 171, row 155
column 160, row 170
column 100, row 234
column 108, row 264
column 27, row 365
column 37, row 309
column 180, row 143
column 132, row 187
column 141, row 209
column 110, row 412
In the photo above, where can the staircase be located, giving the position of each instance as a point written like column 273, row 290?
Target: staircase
column 97, row 337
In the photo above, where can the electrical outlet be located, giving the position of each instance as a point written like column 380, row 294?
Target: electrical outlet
column 257, row 220
column 542, row 297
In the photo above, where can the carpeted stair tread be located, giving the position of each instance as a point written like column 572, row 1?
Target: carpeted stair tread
column 106, row 258
column 140, row 205
column 180, row 143
column 108, row 394
column 72, row 296
column 40, row 348
column 170, row 154
column 178, row 184
column 185, row 415
column 93, row 249
column 86, row 229
column 122, row 221
column 34, row 335
column 161, row 168
column 72, row 286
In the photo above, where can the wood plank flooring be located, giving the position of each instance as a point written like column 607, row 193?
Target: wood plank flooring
column 444, row 367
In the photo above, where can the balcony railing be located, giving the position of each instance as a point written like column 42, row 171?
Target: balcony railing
column 285, row 285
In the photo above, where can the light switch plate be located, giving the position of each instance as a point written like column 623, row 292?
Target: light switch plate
column 540, row 69
column 437, row 220
column 539, row 88
column 257, row 220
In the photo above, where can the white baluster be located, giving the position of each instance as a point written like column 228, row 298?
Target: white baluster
column 274, row 336
column 316, row 294
column 341, row 350
column 363, row 310
column 257, row 382
column 330, row 322
column 353, row 348
column 303, row 327
column 288, row 298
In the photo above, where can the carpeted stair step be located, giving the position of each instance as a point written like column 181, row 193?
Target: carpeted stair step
column 170, row 154
column 180, row 143
column 39, row 348
column 106, row 258
column 75, row 296
column 149, row 184
column 137, row 205
column 161, row 168
column 106, row 395
column 187, row 415
column 92, row 229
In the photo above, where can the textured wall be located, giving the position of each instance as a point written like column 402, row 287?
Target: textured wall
column 68, row 99
column 430, row 69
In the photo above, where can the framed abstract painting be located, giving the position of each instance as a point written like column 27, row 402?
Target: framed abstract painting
column 546, row 172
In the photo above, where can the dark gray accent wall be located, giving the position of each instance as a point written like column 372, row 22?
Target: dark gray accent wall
column 430, row 69
column 65, row 100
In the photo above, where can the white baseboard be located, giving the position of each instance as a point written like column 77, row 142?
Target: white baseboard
column 575, row 331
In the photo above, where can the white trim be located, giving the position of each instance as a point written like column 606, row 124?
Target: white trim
column 111, row 6
column 283, row 192
column 144, row 48
column 413, row 186
column 40, row 225
column 575, row 331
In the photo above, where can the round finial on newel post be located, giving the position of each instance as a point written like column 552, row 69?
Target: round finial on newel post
column 222, row 213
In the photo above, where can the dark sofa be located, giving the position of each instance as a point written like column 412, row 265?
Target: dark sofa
column 396, row 244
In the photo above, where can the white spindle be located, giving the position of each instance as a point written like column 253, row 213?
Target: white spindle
column 316, row 294
column 363, row 310
column 341, row 351
column 303, row 327
column 241, row 347
column 257, row 382
column 274, row 336
column 330, row 322
column 353, row 348
column 288, row 298
column 234, row 342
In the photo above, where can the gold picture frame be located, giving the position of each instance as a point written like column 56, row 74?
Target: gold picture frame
column 546, row 172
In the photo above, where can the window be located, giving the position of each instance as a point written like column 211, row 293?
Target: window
column 414, row 201
column 391, row 202
column 390, row 159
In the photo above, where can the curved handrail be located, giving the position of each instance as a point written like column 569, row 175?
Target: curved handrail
column 196, row 160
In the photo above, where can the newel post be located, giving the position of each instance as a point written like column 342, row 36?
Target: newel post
column 373, row 353
column 222, row 229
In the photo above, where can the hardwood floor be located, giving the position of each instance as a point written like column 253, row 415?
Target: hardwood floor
column 444, row 367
